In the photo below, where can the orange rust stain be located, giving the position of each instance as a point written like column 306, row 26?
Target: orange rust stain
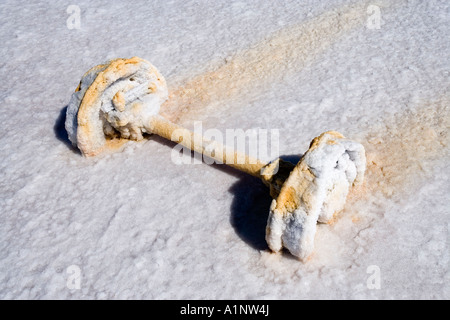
column 115, row 143
column 405, row 146
column 288, row 200
column 401, row 151
column 296, row 193
column 285, row 52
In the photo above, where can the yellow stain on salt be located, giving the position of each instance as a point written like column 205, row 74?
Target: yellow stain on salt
column 401, row 152
column 398, row 150
column 403, row 149
column 285, row 52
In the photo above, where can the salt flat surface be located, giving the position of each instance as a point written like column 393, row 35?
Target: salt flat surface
column 133, row 224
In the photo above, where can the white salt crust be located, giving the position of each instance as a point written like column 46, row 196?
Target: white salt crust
column 125, row 100
column 321, row 181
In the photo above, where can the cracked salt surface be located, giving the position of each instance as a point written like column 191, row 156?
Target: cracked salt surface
column 139, row 226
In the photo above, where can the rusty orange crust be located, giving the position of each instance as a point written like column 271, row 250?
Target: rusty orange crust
column 119, row 101
column 115, row 143
column 292, row 196
column 315, row 142
column 88, row 142
column 117, row 68
column 93, row 69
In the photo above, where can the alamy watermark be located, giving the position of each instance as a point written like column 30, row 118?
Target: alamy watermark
column 74, row 19
column 73, row 277
column 234, row 146
column 374, row 17
column 374, row 280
